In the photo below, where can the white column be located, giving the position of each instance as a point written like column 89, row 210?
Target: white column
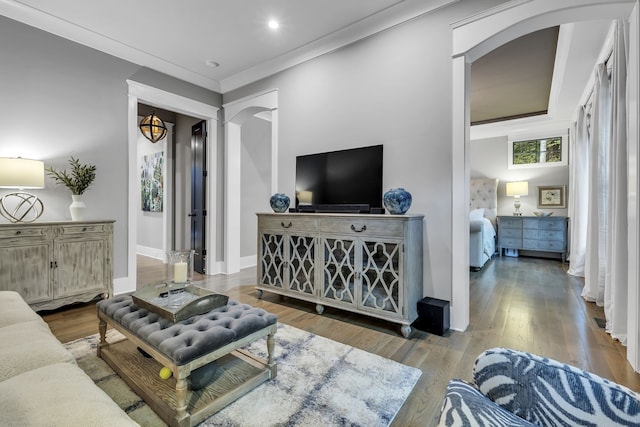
column 232, row 197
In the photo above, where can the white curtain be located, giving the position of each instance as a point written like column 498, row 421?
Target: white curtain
column 616, row 283
column 598, row 179
column 579, row 192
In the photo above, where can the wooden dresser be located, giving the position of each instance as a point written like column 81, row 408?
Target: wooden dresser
column 52, row 264
column 533, row 233
column 368, row 264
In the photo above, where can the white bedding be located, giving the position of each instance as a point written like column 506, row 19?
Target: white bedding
column 488, row 237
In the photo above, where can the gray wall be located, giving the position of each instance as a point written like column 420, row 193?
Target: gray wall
column 489, row 159
column 61, row 99
column 255, row 180
column 394, row 89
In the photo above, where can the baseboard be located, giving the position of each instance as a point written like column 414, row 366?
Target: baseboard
column 249, row 261
column 150, row 252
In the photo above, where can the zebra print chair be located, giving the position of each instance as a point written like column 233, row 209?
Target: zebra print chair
column 513, row 388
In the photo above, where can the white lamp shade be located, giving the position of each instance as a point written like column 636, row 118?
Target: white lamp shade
column 517, row 188
column 21, row 173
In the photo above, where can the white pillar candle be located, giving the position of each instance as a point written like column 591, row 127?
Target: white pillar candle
column 180, row 272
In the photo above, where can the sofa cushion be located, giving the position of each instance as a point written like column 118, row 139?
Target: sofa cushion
column 549, row 393
column 58, row 395
column 464, row 405
column 13, row 309
column 29, row 345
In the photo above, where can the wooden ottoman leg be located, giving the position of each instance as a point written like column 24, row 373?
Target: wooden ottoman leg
column 181, row 400
column 271, row 346
column 102, row 328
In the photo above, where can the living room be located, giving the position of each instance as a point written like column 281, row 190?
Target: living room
column 394, row 88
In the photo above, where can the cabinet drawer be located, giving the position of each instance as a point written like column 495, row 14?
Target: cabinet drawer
column 530, row 244
column 530, row 223
column 366, row 227
column 529, row 234
column 511, row 243
column 24, row 232
column 510, row 233
column 74, row 229
column 506, row 222
column 288, row 223
column 551, row 224
column 551, row 235
column 550, row 245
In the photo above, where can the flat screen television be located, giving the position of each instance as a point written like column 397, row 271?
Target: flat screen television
column 340, row 181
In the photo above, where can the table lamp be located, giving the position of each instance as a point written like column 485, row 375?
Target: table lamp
column 517, row 189
column 21, row 174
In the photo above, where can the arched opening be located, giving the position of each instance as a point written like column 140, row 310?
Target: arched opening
column 472, row 39
column 237, row 113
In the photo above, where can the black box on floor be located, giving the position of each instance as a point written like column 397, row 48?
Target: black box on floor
column 433, row 316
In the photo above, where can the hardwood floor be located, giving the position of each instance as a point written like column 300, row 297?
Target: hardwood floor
column 525, row 303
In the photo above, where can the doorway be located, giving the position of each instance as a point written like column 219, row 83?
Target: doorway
column 142, row 93
column 198, row 195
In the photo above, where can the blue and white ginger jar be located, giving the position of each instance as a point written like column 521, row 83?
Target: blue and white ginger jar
column 279, row 202
column 397, row 201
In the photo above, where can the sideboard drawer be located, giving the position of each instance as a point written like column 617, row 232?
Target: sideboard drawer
column 511, row 243
column 529, row 233
column 510, row 223
column 551, row 235
column 21, row 232
column 363, row 227
column 510, row 233
column 82, row 229
column 288, row 223
column 552, row 224
column 550, row 245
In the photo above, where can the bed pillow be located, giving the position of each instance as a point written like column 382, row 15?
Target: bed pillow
column 476, row 214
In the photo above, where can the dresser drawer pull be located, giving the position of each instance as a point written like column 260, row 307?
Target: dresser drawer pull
column 363, row 228
column 18, row 233
column 54, row 264
column 84, row 228
column 286, row 225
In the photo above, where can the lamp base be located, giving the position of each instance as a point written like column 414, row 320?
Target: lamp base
column 21, row 207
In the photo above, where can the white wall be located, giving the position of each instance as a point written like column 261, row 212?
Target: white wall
column 255, row 182
column 489, row 160
column 61, row 99
column 395, row 89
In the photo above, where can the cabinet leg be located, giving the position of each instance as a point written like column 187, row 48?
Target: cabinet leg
column 405, row 330
column 260, row 293
column 319, row 308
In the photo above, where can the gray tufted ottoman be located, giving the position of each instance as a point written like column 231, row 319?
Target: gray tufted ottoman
column 210, row 369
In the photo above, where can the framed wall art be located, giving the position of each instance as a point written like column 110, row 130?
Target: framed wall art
column 552, row 196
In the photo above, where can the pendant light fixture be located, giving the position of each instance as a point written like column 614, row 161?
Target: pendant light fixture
column 153, row 128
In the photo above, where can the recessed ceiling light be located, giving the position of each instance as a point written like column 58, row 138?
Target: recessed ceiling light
column 273, row 24
column 211, row 63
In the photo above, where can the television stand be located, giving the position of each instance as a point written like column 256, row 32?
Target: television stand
column 367, row 264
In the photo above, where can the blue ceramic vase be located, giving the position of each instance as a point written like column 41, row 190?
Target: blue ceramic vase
column 397, row 201
column 279, row 202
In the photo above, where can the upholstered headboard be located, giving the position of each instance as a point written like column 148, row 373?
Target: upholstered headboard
column 484, row 194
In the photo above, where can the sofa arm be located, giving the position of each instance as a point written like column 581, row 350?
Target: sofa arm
column 546, row 392
column 465, row 405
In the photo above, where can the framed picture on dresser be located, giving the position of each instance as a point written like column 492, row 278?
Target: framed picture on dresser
column 552, row 196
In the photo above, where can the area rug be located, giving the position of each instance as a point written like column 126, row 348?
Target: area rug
column 320, row 382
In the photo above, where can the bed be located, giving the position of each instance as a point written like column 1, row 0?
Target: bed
column 483, row 209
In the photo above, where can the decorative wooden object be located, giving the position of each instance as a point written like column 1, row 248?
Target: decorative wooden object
column 52, row 264
column 193, row 301
column 368, row 264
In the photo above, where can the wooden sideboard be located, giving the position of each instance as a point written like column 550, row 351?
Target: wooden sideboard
column 52, row 264
column 368, row 264
column 533, row 233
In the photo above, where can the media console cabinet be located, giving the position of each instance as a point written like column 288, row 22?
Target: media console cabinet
column 51, row 264
column 368, row 264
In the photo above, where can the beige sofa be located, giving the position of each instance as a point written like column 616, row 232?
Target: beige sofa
column 40, row 382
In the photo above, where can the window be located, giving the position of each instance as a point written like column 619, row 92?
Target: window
column 537, row 152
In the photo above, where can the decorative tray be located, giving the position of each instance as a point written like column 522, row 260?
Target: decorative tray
column 188, row 300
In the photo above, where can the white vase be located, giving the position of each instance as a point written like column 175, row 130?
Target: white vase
column 77, row 207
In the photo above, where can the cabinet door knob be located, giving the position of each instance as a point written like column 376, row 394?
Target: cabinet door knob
column 358, row 230
column 286, row 225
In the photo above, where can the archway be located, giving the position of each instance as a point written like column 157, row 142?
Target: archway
column 236, row 113
column 472, row 38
